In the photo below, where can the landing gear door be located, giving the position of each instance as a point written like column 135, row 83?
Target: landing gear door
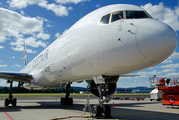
column 98, row 79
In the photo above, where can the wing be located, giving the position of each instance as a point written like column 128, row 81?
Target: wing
column 129, row 75
column 16, row 76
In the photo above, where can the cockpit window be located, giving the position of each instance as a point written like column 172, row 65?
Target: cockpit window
column 105, row 19
column 117, row 16
column 136, row 15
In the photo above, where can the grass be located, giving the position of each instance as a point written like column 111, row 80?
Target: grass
column 63, row 94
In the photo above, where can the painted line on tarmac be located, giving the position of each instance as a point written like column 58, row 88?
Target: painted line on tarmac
column 134, row 113
column 71, row 117
column 8, row 115
column 147, row 112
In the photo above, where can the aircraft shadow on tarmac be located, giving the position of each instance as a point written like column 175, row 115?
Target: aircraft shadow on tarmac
column 135, row 114
column 120, row 113
column 139, row 104
column 57, row 105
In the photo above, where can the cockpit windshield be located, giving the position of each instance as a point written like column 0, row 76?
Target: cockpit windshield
column 136, row 15
column 105, row 19
column 115, row 16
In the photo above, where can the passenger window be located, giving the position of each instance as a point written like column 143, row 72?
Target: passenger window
column 117, row 16
column 136, row 15
column 105, row 19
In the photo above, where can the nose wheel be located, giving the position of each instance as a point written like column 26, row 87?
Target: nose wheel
column 101, row 111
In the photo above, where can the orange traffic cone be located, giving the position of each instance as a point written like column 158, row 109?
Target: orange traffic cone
column 113, row 104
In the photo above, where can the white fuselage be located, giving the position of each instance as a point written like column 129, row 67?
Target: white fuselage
column 91, row 48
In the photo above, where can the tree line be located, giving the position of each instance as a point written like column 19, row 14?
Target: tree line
column 23, row 90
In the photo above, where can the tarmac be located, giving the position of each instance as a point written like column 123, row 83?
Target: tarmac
column 49, row 108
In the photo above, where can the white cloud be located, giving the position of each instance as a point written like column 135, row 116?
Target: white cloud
column 22, row 12
column 23, row 3
column 31, row 41
column 163, row 13
column 174, row 56
column 155, row 72
column 98, row 6
column 3, row 83
column 167, row 61
column 170, row 66
column 21, row 48
column 70, row 8
column 16, row 65
column 48, row 25
column 172, row 75
column 31, row 51
column 2, row 39
column 70, row 1
column 43, row 36
column 64, row 31
column 1, row 47
column 57, row 35
column 14, row 24
column 3, row 65
column 59, row 10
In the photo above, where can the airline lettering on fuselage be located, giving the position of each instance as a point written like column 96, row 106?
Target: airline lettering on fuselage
column 42, row 57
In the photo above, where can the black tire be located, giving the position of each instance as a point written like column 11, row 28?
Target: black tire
column 6, row 102
column 106, row 111
column 63, row 102
column 14, row 102
column 96, row 111
column 70, row 101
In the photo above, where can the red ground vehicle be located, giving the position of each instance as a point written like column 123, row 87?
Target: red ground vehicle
column 170, row 89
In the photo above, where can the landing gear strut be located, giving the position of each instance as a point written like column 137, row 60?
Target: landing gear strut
column 67, row 100
column 101, row 110
column 102, row 90
column 10, row 100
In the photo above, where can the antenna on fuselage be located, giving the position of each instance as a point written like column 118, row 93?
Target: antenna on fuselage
column 25, row 54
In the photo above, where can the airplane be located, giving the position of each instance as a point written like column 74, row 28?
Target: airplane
column 101, row 47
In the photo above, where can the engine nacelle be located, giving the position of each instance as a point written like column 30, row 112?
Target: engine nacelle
column 106, row 90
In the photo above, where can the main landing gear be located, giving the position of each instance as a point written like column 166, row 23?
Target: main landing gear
column 66, row 100
column 10, row 100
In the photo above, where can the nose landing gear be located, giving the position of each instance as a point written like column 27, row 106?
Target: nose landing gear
column 101, row 111
column 103, row 88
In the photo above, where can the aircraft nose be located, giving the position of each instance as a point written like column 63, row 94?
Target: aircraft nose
column 156, row 40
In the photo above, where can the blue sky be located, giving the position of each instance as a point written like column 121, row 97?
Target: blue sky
column 40, row 22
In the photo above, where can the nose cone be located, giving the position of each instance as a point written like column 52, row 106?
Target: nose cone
column 156, row 40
